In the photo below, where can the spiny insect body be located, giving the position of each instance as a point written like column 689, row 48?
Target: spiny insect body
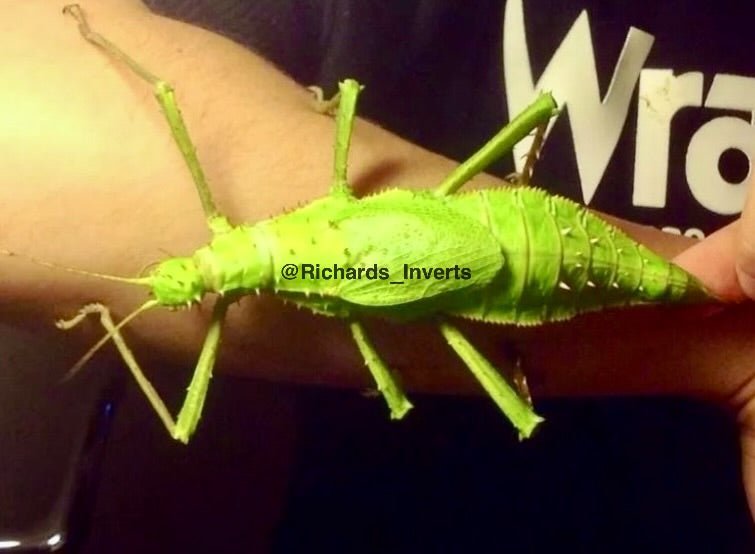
column 528, row 258
column 532, row 258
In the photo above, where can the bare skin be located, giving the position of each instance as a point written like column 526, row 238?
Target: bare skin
column 85, row 148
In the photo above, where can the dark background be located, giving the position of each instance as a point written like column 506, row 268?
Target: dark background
column 287, row 469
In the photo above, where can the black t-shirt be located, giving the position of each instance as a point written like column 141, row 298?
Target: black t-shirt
column 658, row 97
column 657, row 128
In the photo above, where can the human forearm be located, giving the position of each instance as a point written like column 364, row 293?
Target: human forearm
column 105, row 189
column 88, row 149
column 95, row 181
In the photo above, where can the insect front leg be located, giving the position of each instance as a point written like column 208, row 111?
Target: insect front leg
column 165, row 96
column 398, row 403
column 516, row 408
column 183, row 427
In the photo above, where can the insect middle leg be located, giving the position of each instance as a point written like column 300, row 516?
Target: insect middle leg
column 386, row 382
column 321, row 105
column 348, row 92
column 166, row 97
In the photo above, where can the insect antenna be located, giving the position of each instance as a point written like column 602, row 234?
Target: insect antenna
column 147, row 268
column 91, row 309
column 132, row 280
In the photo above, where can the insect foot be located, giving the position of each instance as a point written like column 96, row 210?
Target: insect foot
column 320, row 105
column 84, row 311
column 107, row 322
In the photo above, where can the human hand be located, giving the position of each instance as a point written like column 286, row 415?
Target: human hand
column 725, row 261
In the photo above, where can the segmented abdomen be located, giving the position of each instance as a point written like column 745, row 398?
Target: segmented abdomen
column 561, row 260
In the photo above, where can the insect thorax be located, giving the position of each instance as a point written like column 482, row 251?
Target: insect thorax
column 236, row 261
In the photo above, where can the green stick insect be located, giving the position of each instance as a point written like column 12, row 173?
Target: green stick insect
column 513, row 255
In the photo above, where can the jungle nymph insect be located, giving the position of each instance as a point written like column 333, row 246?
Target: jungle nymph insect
column 527, row 258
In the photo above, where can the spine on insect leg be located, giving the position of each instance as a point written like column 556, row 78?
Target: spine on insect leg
column 562, row 260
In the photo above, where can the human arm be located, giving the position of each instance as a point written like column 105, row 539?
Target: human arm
column 264, row 150
column 89, row 150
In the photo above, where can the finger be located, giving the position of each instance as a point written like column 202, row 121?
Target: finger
column 712, row 261
column 745, row 254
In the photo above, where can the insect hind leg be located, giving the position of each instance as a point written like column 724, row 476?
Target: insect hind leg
column 536, row 114
column 517, row 409
column 524, row 177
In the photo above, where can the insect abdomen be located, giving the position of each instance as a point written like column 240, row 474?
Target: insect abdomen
column 562, row 260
